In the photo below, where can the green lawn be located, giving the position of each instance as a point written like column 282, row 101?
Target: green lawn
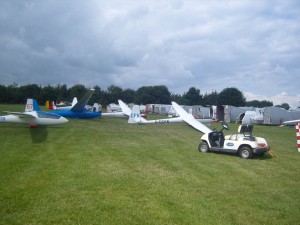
column 105, row 171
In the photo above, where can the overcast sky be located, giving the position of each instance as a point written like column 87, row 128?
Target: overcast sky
column 253, row 45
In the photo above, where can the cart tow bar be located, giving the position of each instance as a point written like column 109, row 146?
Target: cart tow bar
column 271, row 153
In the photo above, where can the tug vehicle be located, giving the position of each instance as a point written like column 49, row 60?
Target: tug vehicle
column 241, row 143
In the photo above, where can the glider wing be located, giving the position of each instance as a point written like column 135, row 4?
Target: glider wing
column 190, row 119
column 20, row 114
column 125, row 109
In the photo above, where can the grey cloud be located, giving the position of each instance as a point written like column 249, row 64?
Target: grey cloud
column 252, row 45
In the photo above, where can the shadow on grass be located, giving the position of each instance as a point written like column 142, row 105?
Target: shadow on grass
column 38, row 134
column 266, row 156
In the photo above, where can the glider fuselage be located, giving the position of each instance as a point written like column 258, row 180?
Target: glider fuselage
column 34, row 118
column 84, row 114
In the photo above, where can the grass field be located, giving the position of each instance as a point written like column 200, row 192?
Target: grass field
column 105, row 171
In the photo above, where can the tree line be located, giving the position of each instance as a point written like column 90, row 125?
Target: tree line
column 15, row 94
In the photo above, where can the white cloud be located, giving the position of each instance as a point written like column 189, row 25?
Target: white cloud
column 283, row 97
column 251, row 45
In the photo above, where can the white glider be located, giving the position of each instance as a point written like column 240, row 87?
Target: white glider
column 125, row 113
column 54, row 107
column 190, row 119
column 136, row 118
column 32, row 116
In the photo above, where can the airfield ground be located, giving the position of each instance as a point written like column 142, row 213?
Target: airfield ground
column 105, row 171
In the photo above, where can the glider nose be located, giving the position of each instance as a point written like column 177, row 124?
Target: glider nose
column 63, row 120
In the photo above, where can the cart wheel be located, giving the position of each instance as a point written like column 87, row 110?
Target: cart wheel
column 203, row 147
column 245, row 152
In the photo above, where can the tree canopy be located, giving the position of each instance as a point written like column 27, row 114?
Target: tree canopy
column 192, row 97
column 231, row 96
column 14, row 94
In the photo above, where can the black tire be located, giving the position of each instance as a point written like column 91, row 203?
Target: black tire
column 203, row 147
column 245, row 152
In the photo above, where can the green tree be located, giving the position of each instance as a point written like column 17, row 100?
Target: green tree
column 98, row 96
column 63, row 93
column 144, row 95
column 3, row 94
column 153, row 94
column 162, row 94
column 284, row 106
column 29, row 91
column 259, row 104
column 193, row 97
column 47, row 93
column 13, row 94
column 231, row 96
column 210, row 99
column 176, row 98
column 114, row 93
column 77, row 91
column 128, row 95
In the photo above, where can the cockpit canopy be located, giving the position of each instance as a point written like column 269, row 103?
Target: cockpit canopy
column 47, row 115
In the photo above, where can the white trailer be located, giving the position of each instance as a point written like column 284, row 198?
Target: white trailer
column 276, row 116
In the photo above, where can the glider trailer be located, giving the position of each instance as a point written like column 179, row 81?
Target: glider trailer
column 245, row 145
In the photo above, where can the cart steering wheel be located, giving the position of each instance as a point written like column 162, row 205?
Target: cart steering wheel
column 225, row 126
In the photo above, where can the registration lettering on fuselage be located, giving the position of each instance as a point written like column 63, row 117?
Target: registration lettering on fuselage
column 29, row 106
column 135, row 115
column 161, row 121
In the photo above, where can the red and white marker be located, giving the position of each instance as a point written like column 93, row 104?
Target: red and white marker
column 297, row 126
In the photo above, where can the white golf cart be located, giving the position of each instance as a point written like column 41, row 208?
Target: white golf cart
column 240, row 143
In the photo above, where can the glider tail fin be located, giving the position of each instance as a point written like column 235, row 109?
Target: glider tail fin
column 32, row 105
column 135, row 116
column 52, row 105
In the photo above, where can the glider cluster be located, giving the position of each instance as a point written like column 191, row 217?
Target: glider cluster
column 52, row 105
column 34, row 116
column 79, row 108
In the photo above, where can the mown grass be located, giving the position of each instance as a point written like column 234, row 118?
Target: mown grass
column 105, row 171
